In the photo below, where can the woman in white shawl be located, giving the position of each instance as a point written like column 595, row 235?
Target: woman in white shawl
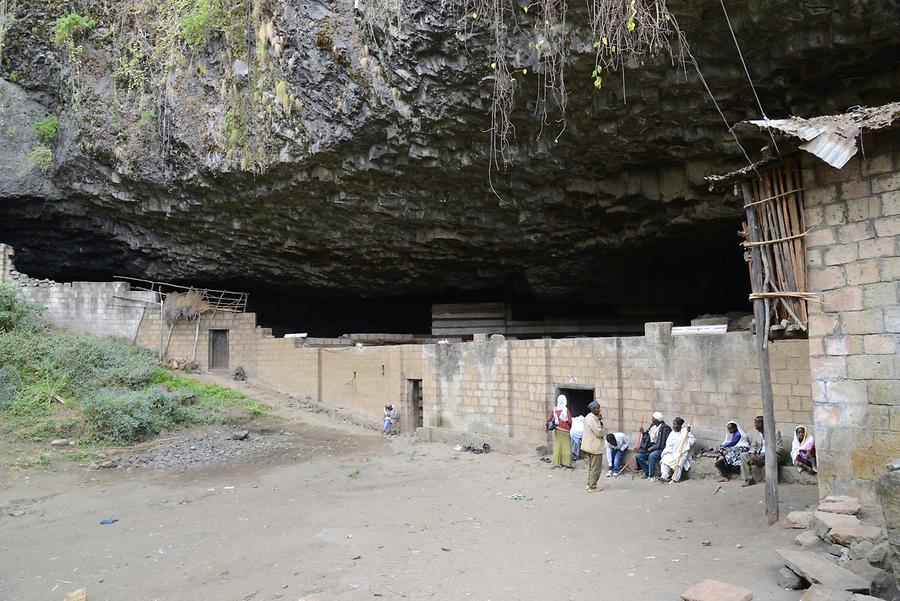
column 560, row 421
column 803, row 450
column 735, row 443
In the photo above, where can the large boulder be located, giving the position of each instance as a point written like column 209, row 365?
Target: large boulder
column 799, row 519
column 847, row 534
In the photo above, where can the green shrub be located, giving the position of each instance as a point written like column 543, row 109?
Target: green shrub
column 199, row 23
column 10, row 385
column 120, row 417
column 69, row 27
column 46, row 129
column 15, row 311
column 37, row 398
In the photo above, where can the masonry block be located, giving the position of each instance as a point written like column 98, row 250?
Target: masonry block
column 822, row 324
column 841, row 254
column 892, row 319
column 881, row 344
column 863, row 367
column 821, row 195
column 828, row 368
column 862, row 272
column 888, row 226
column 847, row 392
column 843, row 299
column 890, row 203
column 880, row 294
column 854, row 232
column 843, row 345
column 831, row 277
column 886, row 183
column 870, row 321
column 857, row 188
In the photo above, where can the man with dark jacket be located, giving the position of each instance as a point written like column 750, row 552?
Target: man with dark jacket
column 652, row 444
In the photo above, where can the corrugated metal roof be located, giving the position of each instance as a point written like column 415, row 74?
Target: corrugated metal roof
column 832, row 138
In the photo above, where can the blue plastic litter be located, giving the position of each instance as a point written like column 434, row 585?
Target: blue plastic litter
column 108, row 521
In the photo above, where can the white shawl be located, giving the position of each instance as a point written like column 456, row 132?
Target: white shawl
column 742, row 442
column 561, row 403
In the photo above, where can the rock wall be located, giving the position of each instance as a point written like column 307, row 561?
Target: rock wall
column 184, row 161
column 853, row 259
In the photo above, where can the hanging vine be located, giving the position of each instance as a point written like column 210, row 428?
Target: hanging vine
column 623, row 33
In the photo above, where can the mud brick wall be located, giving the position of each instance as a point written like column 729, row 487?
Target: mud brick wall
column 505, row 388
column 853, row 259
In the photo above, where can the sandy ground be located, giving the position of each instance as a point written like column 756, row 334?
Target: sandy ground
column 346, row 514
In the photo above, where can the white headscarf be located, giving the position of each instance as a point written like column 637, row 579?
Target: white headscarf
column 742, row 442
column 561, row 402
column 658, row 416
column 806, row 444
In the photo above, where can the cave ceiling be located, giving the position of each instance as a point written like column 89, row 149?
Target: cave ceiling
column 354, row 161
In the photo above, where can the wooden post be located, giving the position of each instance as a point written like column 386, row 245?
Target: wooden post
column 162, row 312
column 765, row 377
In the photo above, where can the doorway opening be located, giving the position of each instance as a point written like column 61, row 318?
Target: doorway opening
column 578, row 399
column 218, row 349
column 417, row 414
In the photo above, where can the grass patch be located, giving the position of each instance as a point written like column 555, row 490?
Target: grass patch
column 46, row 129
column 56, row 384
column 69, row 27
column 199, row 23
column 40, row 157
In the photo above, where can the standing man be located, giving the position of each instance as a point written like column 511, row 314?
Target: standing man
column 675, row 458
column 616, row 447
column 658, row 440
column 753, row 461
column 592, row 444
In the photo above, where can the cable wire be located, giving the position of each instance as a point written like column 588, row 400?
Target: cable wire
column 747, row 73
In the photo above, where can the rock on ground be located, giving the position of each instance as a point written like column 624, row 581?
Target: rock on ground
column 848, row 533
column 819, row 570
column 888, row 488
column 713, row 590
column 799, row 519
column 807, row 539
column 826, row 521
column 861, row 549
column 789, row 579
column 844, row 507
column 817, row 592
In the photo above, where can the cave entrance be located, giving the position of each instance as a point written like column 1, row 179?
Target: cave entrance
column 218, row 349
column 578, row 399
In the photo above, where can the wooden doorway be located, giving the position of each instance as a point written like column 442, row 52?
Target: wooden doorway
column 218, row 349
column 416, row 403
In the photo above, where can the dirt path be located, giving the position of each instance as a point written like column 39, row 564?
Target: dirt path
column 353, row 516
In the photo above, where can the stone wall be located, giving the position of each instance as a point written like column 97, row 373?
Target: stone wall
column 504, row 388
column 243, row 338
column 103, row 308
column 853, row 258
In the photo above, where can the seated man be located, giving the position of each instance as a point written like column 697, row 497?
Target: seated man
column 659, row 433
column 753, row 461
column 391, row 415
column 676, row 454
column 616, row 449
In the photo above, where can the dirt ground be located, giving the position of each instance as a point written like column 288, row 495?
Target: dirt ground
column 344, row 514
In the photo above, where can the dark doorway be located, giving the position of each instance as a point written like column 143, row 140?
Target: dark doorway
column 416, row 403
column 578, row 399
column 218, row 349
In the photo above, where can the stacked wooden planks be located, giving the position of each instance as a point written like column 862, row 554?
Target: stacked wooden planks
column 777, row 201
column 467, row 319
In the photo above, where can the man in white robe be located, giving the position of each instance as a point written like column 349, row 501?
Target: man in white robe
column 677, row 452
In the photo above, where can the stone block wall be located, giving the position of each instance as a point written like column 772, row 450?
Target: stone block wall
column 853, row 260
column 506, row 388
column 109, row 309
column 243, row 338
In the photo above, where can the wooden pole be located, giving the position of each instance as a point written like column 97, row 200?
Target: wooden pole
column 765, row 378
column 162, row 312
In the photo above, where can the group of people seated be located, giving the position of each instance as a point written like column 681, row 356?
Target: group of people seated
column 668, row 447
